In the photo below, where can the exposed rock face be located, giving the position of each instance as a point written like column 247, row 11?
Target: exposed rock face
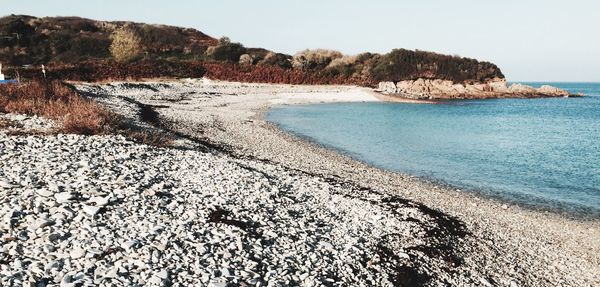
column 443, row 89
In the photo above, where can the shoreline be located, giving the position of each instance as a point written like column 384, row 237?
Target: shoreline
column 558, row 213
column 232, row 115
column 539, row 206
column 563, row 211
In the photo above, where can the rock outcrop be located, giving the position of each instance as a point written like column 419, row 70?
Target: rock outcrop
column 444, row 89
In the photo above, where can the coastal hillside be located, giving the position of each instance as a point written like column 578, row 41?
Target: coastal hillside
column 83, row 49
column 29, row 40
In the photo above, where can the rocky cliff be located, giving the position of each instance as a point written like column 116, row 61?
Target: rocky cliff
column 444, row 89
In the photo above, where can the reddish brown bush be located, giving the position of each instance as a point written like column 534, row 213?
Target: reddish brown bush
column 57, row 101
column 76, row 114
column 273, row 74
column 93, row 71
column 106, row 71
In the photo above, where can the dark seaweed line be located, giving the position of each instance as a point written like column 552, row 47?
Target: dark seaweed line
column 444, row 236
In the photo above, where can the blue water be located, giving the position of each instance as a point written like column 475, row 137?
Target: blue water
column 538, row 152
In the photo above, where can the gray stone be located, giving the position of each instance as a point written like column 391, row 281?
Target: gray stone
column 162, row 274
column 5, row 184
column 44, row 192
column 77, row 253
column 63, row 197
column 91, row 210
column 225, row 272
column 100, row 201
column 326, row 245
column 130, row 244
column 154, row 280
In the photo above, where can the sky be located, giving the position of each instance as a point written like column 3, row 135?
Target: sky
column 530, row 40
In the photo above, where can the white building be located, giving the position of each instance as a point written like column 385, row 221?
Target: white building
column 1, row 75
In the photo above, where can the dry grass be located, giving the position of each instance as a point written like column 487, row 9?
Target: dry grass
column 317, row 57
column 57, row 101
column 74, row 113
column 343, row 61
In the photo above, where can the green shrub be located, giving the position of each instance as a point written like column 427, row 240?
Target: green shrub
column 225, row 50
column 402, row 64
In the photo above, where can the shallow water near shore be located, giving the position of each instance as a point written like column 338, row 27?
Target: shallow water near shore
column 538, row 152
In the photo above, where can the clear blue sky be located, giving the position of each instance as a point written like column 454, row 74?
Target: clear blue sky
column 532, row 40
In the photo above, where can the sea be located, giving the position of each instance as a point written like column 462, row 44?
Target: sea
column 539, row 153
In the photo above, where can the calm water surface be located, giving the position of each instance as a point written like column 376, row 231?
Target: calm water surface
column 540, row 152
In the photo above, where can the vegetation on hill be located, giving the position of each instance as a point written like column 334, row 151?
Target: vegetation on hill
column 29, row 40
column 401, row 64
column 83, row 49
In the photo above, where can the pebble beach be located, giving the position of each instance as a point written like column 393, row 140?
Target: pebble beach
column 237, row 202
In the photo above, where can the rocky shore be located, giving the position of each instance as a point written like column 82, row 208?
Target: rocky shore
column 236, row 202
column 105, row 211
column 427, row 89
